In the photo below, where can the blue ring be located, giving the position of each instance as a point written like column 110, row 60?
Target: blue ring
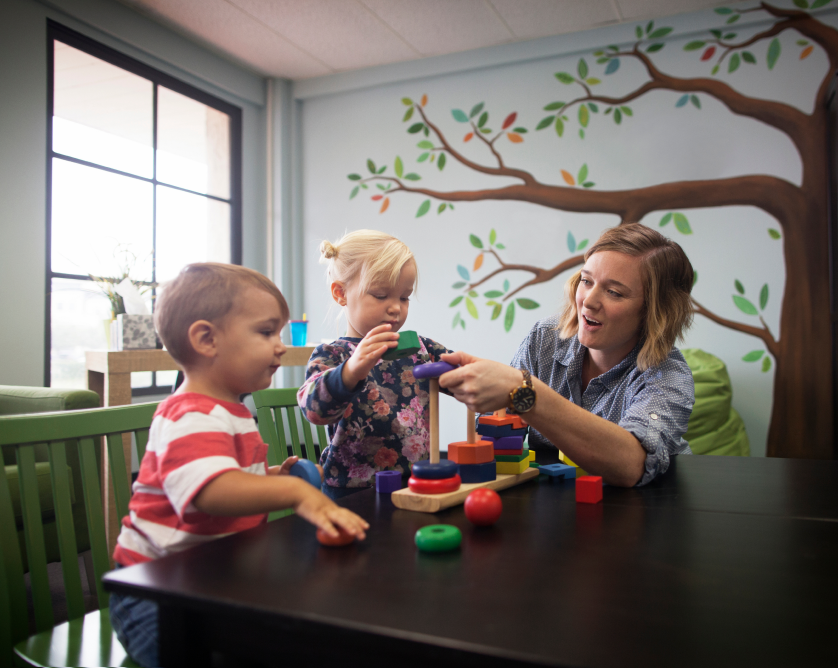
column 307, row 471
column 446, row 468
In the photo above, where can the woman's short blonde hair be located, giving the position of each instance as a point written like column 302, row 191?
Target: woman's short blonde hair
column 204, row 291
column 667, row 277
column 368, row 256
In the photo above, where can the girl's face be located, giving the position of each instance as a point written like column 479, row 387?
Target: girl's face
column 379, row 304
column 609, row 305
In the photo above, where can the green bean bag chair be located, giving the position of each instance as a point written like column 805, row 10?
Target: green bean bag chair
column 715, row 428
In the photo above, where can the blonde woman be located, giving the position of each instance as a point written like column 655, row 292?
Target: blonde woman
column 602, row 381
column 376, row 411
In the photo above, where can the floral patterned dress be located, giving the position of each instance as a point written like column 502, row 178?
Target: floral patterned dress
column 379, row 425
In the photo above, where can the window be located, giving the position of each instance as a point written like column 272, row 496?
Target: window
column 143, row 177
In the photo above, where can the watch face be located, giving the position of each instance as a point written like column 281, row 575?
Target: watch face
column 524, row 399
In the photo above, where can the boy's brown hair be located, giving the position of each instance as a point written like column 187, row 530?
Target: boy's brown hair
column 204, row 291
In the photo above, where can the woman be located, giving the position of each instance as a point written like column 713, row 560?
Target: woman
column 608, row 388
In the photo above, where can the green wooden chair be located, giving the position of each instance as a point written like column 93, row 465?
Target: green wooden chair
column 281, row 432
column 86, row 639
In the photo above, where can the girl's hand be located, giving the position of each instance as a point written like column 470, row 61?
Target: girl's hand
column 285, row 468
column 482, row 385
column 377, row 341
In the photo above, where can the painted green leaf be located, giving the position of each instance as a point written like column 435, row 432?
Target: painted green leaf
column 382, row 169
column 582, row 68
column 763, row 297
column 456, row 301
column 354, row 177
column 364, row 186
column 730, row 35
column 463, row 324
column 802, row 4
column 565, row 78
column 682, row 224
column 500, row 246
column 408, row 115
column 723, row 10
column 766, row 364
column 584, row 116
column 462, row 271
column 423, row 157
column 475, row 241
column 459, row 115
column 774, row 234
column 441, row 208
column 639, row 32
column 599, row 53
column 425, row 144
column 581, row 245
column 694, row 46
column 472, row 309
column 753, row 356
column 506, row 286
column 592, row 81
column 802, row 42
column 618, row 116
column 441, row 162
column 416, row 127
column 588, row 184
column 496, row 311
column 773, row 53
column 744, row 305
column 608, row 111
column 450, row 206
column 412, row 177
column 559, row 126
column 528, row 304
column 544, row 123
column 571, row 242
column 649, row 27
column 714, row 70
column 820, row 3
column 553, row 106
column 483, row 118
column 493, row 237
column 407, row 101
column 733, row 65
column 665, row 220
column 695, row 277
column 682, row 100
column 583, row 173
column 399, row 167
column 627, row 111
column 654, row 48
column 613, row 66
column 458, row 285
column 600, row 61
column 593, row 107
column 716, row 33
column 476, row 109
column 380, row 186
column 660, row 33
column 612, row 47
column 733, row 19
column 739, row 287
column 509, row 318
column 424, row 207
column 457, row 320
column 473, row 294
column 354, row 192
column 493, row 294
column 696, row 101
column 371, row 166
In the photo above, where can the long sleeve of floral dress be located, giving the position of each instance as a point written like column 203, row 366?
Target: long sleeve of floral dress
column 379, row 425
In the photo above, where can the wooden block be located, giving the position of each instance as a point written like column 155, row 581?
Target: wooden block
column 513, row 458
column 478, row 472
column 498, row 432
column 531, row 455
column 508, row 453
column 512, row 468
column 422, row 503
column 562, row 471
column 464, row 452
column 509, row 443
column 408, row 345
column 589, row 489
column 495, row 420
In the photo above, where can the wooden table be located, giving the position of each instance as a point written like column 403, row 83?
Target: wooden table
column 725, row 561
column 109, row 375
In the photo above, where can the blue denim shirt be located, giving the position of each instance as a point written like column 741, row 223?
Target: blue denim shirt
column 653, row 405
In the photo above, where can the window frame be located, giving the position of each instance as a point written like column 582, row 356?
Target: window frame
column 60, row 33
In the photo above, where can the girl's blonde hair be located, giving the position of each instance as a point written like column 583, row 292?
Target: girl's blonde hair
column 667, row 277
column 369, row 256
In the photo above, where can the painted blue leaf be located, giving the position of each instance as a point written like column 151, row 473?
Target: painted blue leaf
column 459, row 115
column 462, row 271
column 682, row 100
column 571, row 242
column 613, row 66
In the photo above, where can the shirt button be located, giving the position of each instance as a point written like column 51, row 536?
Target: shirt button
column 654, row 416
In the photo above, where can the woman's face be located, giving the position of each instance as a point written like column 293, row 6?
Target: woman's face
column 609, row 304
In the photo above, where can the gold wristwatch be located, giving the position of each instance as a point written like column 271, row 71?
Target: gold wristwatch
column 522, row 399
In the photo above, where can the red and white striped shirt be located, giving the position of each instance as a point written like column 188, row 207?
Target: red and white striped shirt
column 193, row 439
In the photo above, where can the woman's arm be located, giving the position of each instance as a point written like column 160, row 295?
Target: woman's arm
column 597, row 445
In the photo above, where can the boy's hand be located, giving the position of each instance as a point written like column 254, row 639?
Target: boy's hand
column 285, row 467
column 367, row 354
column 322, row 512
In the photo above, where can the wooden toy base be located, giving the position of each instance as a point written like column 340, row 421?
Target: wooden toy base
column 432, row 503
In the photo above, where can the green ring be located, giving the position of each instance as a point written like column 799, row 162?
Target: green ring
column 438, row 538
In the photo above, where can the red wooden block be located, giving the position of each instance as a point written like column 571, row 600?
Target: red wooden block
column 589, row 489
column 438, row 486
column 471, row 453
column 510, row 452
column 495, row 420
column 340, row 540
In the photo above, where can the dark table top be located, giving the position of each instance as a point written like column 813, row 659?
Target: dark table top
column 722, row 561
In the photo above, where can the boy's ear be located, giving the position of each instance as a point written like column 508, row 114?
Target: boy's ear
column 203, row 337
column 338, row 293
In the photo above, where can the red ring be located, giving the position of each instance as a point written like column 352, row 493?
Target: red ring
column 439, row 486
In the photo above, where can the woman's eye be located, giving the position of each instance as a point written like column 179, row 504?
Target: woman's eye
column 616, row 294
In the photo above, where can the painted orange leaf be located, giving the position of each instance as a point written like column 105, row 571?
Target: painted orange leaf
column 568, row 178
column 478, row 262
column 468, row 137
column 384, row 205
column 806, row 52
column 510, row 120
column 514, row 137
column 424, row 100
column 375, row 198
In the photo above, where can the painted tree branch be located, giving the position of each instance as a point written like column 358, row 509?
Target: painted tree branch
column 539, row 275
column 762, row 333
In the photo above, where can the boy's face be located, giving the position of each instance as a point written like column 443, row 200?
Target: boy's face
column 380, row 303
column 249, row 348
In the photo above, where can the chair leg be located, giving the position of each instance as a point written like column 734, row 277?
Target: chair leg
column 91, row 574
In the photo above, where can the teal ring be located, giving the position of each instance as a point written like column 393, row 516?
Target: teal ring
column 438, row 538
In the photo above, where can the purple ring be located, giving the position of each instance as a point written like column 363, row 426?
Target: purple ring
column 432, row 369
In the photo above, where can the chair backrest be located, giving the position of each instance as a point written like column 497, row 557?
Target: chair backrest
column 52, row 430
column 276, row 429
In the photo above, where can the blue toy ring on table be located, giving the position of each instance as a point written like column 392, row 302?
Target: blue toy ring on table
column 432, row 369
column 445, row 468
column 307, row 471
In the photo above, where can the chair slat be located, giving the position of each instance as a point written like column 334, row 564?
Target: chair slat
column 305, row 426
column 34, row 535
column 95, row 514
column 292, row 428
column 280, row 430
column 267, row 430
column 65, row 529
column 119, row 473
column 13, row 617
column 142, row 442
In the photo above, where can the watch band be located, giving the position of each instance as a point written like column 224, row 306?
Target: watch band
column 522, row 399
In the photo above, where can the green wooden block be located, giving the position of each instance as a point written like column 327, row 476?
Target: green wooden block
column 513, row 458
column 534, row 465
column 408, row 345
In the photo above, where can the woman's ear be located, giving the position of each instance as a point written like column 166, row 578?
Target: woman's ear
column 203, row 337
column 338, row 292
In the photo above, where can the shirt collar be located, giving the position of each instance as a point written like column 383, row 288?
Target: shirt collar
column 572, row 356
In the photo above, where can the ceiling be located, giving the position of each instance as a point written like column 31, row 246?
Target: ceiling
column 300, row 39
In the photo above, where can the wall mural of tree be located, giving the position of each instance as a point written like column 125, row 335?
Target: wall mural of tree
column 801, row 421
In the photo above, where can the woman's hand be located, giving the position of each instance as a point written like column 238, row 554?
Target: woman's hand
column 370, row 349
column 482, row 385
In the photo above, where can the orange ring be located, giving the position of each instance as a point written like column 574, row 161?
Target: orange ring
column 439, row 486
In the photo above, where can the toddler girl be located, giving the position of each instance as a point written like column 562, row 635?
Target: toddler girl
column 376, row 411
